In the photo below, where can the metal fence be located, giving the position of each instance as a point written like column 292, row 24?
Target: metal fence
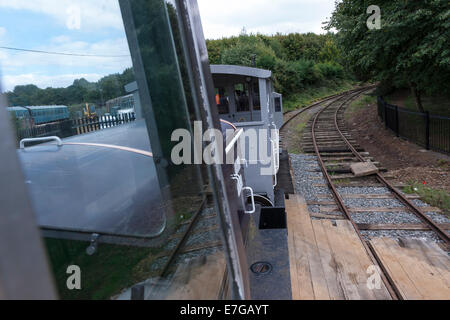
column 68, row 128
column 427, row 130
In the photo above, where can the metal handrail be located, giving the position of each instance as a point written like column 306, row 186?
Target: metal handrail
column 29, row 140
column 252, row 197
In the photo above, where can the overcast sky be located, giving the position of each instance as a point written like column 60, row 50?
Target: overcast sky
column 95, row 28
column 227, row 18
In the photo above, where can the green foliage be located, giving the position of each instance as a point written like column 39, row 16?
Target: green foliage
column 330, row 70
column 358, row 104
column 411, row 48
column 104, row 274
column 434, row 197
column 299, row 61
column 312, row 94
column 80, row 92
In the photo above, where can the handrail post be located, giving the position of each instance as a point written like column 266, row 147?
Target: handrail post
column 427, row 129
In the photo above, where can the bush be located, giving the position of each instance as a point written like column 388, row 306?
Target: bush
column 298, row 61
column 330, row 70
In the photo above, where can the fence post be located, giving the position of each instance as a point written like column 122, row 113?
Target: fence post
column 385, row 115
column 427, row 129
column 397, row 127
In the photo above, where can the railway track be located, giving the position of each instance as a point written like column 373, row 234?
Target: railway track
column 336, row 150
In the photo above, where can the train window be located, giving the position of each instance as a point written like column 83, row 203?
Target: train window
column 222, row 101
column 108, row 195
column 278, row 104
column 256, row 97
column 241, row 97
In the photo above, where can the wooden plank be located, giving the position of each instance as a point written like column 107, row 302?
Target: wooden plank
column 429, row 283
column 351, row 176
column 403, row 283
column 327, row 216
column 359, row 251
column 329, row 263
column 435, row 258
column 344, row 261
column 362, row 169
column 302, row 288
column 320, row 288
column 321, row 203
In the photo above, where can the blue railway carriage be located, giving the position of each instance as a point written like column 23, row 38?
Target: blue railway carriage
column 41, row 114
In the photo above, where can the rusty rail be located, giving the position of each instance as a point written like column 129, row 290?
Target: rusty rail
column 393, row 290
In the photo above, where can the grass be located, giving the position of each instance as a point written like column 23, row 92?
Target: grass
column 358, row 104
column 111, row 269
column 341, row 181
column 106, row 273
column 298, row 131
column 312, row 94
column 434, row 197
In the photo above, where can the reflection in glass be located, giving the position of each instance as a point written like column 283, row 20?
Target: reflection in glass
column 242, row 97
column 108, row 197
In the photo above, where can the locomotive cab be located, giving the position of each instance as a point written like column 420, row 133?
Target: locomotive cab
column 245, row 97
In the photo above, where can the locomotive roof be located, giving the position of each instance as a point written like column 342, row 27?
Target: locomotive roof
column 36, row 108
column 241, row 71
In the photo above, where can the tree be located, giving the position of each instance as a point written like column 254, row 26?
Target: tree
column 411, row 48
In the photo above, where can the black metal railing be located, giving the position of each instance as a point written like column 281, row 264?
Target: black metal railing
column 425, row 129
column 73, row 127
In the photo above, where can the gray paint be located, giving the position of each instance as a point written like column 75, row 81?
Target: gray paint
column 241, row 70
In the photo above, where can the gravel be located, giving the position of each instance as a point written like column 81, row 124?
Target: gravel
column 303, row 177
column 425, row 235
column 385, row 218
column 304, row 180
column 373, row 203
column 438, row 218
column 362, row 190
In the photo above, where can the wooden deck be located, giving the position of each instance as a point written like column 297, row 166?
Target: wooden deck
column 327, row 259
column 419, row 269
column 329, row 262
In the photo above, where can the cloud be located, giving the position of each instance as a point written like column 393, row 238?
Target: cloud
column 19, row 66
column 2, row 31
column 85, row 14
column 44, row 81
column 226, row 18
column 94, row 19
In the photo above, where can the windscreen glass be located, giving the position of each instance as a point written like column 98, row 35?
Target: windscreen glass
column 96, row 90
